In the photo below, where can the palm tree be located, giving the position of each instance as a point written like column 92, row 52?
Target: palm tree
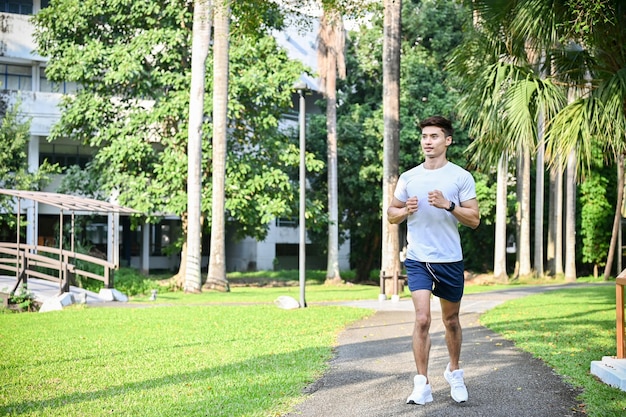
column 593, row 64
column 391, row 136
column 331, row 41
column 501, row 106
column 591, row 58
column 199, row 52
column 216, row 277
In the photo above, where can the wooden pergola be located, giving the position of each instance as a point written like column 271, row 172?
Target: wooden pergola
column 33, row 260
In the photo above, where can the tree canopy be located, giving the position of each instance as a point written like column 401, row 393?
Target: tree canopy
column 14, row 169
column 132, row 60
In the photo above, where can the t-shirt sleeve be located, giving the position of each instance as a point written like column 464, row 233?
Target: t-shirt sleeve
column 400, row 192
column 467, row 190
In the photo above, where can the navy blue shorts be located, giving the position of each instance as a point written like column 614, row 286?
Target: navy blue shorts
column 445, row 280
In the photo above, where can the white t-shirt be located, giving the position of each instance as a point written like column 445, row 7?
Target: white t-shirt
column 433, row 234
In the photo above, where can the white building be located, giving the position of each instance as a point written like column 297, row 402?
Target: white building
column 22, row 75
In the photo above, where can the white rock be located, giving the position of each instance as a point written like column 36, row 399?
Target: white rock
column 111, row 294
column 286, row 302
column 119, row 296
column 51, row 304
column 106, row 294
column 57, row 303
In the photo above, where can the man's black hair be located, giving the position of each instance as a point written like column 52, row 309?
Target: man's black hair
column 438, row 121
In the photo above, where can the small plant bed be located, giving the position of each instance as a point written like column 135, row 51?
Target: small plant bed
column 23, row 301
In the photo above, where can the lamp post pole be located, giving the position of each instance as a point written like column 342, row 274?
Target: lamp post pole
column 302, row 223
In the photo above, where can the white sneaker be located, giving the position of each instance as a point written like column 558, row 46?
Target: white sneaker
column 422, row 393
column 458, row 391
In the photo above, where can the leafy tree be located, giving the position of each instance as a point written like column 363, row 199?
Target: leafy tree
column 132, row 59
column 595, row 219
column 14, row 170
column 14, row 137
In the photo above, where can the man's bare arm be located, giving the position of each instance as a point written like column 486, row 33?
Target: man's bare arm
column 399, row 211
column 467, row 213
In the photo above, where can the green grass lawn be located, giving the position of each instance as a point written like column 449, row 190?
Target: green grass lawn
column 266, row 286
column 201, row 354
column 314, row 293
column 164, row 361
column 567, row 329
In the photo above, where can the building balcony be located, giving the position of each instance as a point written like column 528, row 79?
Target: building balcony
column 41, row 108
column 16, row 38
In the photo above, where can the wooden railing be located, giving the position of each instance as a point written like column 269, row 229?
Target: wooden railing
column 396, row 280
column 38, row 261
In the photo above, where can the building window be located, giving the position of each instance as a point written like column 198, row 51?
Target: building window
column 65, row 161
column 48, row 86
column 287, row 222
column 64, row 155
column 16, row 6
column 16, row 77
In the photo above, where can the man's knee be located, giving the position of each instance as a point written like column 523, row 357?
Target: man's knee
column 422, row 322
column 452, row 322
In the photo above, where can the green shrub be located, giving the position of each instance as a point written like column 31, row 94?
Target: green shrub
column 131, row 282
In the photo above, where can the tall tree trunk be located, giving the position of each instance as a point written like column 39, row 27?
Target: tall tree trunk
column 559, row 221
column 499, row 257
column 617, row 219
column 332, row 266
column 216, row 277
column 391, row 137
column 524, row 203
column 555, row 223
column 570, row 218
column 199, row 52
column 331, row 41
column 179, row 279
column 539, row 200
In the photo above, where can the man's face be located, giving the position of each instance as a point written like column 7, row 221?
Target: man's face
column 434, row 141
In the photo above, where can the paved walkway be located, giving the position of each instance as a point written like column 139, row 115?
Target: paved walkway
column 371, row 374
column 43, row 290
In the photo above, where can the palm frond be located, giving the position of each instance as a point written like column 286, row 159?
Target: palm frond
column 571, row 64
column 611, row 122
column 570, row 131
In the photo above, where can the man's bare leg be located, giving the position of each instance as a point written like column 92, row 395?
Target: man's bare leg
column 421, row 335
column 454, row 333
column 422, row 391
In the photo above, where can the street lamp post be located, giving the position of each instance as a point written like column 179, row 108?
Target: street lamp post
column 301, row 87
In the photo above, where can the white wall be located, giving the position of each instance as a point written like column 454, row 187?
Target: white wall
column 41, row 108
column 16, row 38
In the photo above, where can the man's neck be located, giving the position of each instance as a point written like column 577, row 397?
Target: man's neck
column 435, row 163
